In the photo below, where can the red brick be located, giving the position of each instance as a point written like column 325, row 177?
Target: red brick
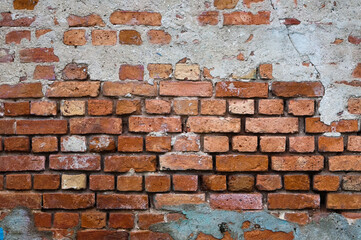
column 186, row 143
column 213, row 124
column 136, row 18
column 154, row 124
column 216, row 144
column 185, row 107
column 213, row 107
column 298, row 89
column 343, row 201
column 41, row 32
column 246, row 18
column 130, row 144
column 100, row 107
column 46, row 181
column 17, row 144
column 293, row 201
column 104, row 37
column 101, row 182
column 242, row 89
column 148, row 235
column 242, row 106
column 225, row 4
column 269, row 182
column 329, row 183
column 86, row 162
column 68, row 200
column 159, row 37
column 157, row 183
column 270, row 106
column 17, row 36
column 272, row 144
column 158, row 144
column 44, row 144
column 268, row 235
column 6, row 56
column 160, row 71
column 93, row 219
column 208, row 18
column 75, row 37
column 301, row 107
column 130, row 37
column 43, row 108
column 74, row 89
column 130, row 183
column 15, row 163
column 272, row 125
column 214, row 182
column 101, row 144
column 239, row 201
column 291, row 21
column 18, row 181
column 157, row 106
column 91, row 20
column 128, row 107
column 115, row 89
column 102, row 234
column 298, row 182
column 65, row 220
column 265, row 70
column 95, row 125
column 28, row 200
column 345, row 163
column 354, row 39
column 354, row 143
column 185, row 162
column 243, row 183
column 121, row 220
column 42, row 220
column 298, row 217
column 8, row 20
column 30, row 127
column 44, row 72
column 13, row 109
column 186, row 89
column 140, row 163
column 357, row 71
column 73, row 71
column 21, row 90
column 244, row 143
column 38, row 55
column 122, row 201
column 171, row 199
column 145, row 220
column 1, row 182
column 241, row 163
column 302, row 144
column 297, row 163
column 330, row 144
column 24, row 4
column 185, row 183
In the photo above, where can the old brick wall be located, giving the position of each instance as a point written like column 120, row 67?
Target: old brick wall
column 114, row 114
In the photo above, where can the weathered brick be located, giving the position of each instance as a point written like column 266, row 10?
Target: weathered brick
column 17, row 36
column 299, row 182
column 244, row 183
column 159, row 37
column 268, row 234
column 351, row 183
column 354, row 105
column 272, row 125
column 130, row 144
column 330, row 144
column 272, row 144
column 38, row 55
column 184, row 71
column 160, row 71
column 93, row 219
column 185, row 107
column 75, row 37
column 329, row 183
column 68, row 200
column 100, row 107
column 18, row 181
column 101, row 182
column 297, row 163
column 136, row 18
column 270, row 106
column 115, row 89
column 269, row 182
column 21, row 90
column 7, row 126
column 29, row 127
column 104, row 37
column 354, row 143
column 214, row 182
column 208, row 18
column 128, row 107
column 343, row 201
column 73, row 71
column 186, row 143
column 301, row 107
column 10, row 200
column 72, row 108
column 236, row 201
column 42, row 220
column 185, row 183
column 74, row 89
column 46, row 181
column 302, row 144
column 122, row 201
column 216, row 144
column 121, row 220
column 8, row 20
column 13, row 109
column 130, row 37
column 43, row 108
column 158, row 144
column 17, row 144
column 65, row 220
column 6, row 56
column 357, row 71
column 244, row 143
column 185, row 162
column 86, row 162
column 171, row 199
column 130, row 183
column 140, row 163
column 246, row 18
column 213, row 107
column 154, row 124
column 213, row 124
column 157, row 106
column 145, row 220
column 44, row 72
column 241, row 163
column 41, row 32
column 102, row 234
column 157, row 183
column 242, row 106
column 91, row 20
column 242, row 89
column 186, row 89
column 298, row 217
column 76, row 182
column 95, row 125
column 293, row 201
column 225, row 4
column 102, row 144
column 25, row 4
column 265, row 70
column 298, row 89
column 345, row 163
column 148, row 235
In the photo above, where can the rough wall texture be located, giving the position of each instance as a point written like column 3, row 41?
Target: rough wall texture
column 168, row 119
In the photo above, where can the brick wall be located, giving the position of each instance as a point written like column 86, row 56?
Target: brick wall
column 99, row 158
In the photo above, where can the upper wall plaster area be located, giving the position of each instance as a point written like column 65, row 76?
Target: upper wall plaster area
column 303, row 52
